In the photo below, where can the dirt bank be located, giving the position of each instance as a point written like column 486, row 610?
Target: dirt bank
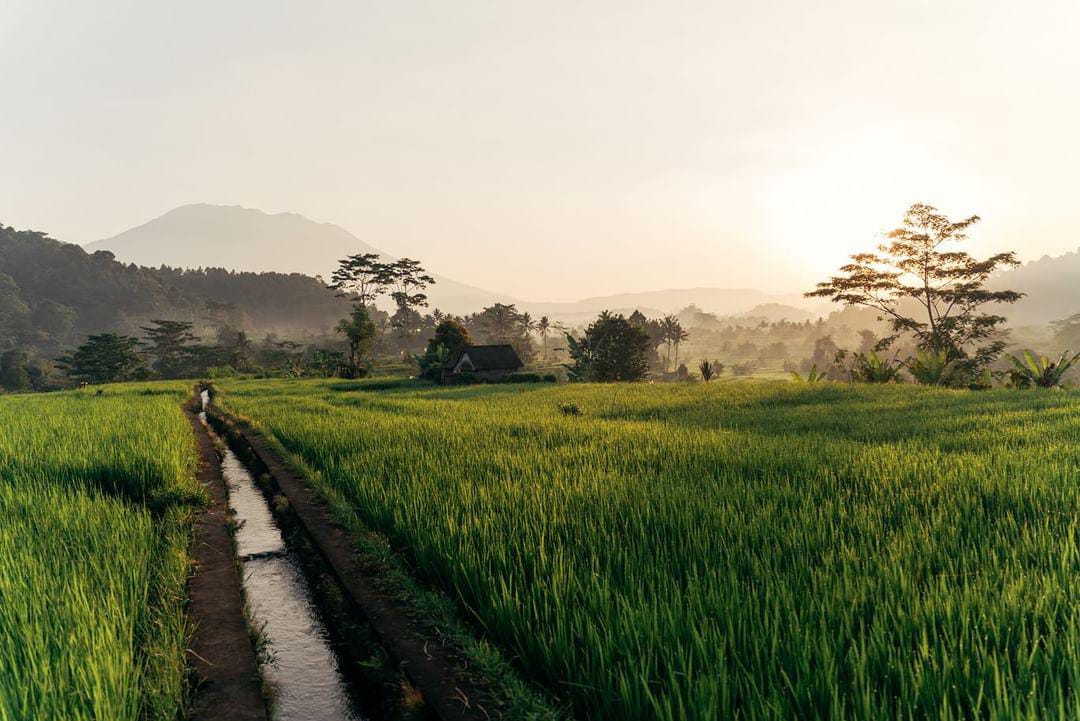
column 227, row 685
column 434, row 668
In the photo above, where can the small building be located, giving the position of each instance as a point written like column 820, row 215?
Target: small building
column 483, row 363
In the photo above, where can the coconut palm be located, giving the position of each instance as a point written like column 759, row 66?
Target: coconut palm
column 668, row 324
column 543, row 327
column 528, row 325
column 678, row 335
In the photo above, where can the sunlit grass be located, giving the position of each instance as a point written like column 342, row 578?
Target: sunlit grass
column 738, row 550
column 95, row 496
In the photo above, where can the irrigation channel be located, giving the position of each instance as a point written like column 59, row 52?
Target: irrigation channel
column 301, row 665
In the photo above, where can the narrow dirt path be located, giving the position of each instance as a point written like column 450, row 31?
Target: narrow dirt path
column 228, row 687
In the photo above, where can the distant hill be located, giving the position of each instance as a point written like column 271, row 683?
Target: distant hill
column 775, row 312
column 202, row 235
column 1052, row 286
column 721, row 301
column 53, row 294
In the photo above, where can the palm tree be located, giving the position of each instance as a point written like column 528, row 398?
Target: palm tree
column 528, row 325
column 668, row 324
column 678, row 335
column 500, row 318
column 543, row 327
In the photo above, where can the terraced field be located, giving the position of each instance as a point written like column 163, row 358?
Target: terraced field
column 737, row 550
column 96, row 496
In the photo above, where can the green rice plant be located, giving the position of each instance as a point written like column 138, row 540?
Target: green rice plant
column 739, row 550
column 96, row 495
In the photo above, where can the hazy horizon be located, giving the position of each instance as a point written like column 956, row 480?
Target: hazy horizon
column 546, row 152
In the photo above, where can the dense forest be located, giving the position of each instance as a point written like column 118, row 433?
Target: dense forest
column 54, row 294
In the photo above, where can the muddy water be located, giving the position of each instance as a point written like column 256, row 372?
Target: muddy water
column 299, row 662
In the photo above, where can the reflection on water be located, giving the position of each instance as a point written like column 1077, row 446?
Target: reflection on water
column 303, row 671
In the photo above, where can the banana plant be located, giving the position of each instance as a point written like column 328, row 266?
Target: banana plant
column 871, row 368
column 932, row 368
column 1031, row 372
column 814, row 376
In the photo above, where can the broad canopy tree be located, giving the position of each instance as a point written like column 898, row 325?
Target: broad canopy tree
column 363, row 276
column 917, row 268
column 106, row 358
column 359, row 330
column 171, row 345
column 614, row 349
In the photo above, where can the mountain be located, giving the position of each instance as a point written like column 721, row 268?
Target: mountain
column 775, row 312
column 721, row 301
column 53, row 294
column 1052, row 286
column 202, row 235
column 235, row 238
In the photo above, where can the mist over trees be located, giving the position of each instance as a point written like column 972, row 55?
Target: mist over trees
column 916, row 309
column 948, row 286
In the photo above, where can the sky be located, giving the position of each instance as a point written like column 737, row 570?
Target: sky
column 553, row 150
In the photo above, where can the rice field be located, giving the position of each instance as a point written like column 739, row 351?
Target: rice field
column 735, row 550
column 96, row 495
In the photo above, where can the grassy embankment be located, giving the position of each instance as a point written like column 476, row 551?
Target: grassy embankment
column 758, row 551
column 96, row 497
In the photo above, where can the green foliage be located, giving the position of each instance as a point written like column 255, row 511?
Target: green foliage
column 409, row 280
column 869, row 367
column 360, row 332
column 96, row 494
column 13, row 373
column 170, row 345
column 918, row 266
column 361, row 277
column 326, row 363
column 449, row 338
column 736, row 550
column 503, row 323
column 1042, row 372
column 933, row 368
column 812, row 376
column 54, row 294
column 105, row 358
column 613, row 349
column 710, row 369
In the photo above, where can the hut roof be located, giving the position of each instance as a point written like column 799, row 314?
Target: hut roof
column 488, row 357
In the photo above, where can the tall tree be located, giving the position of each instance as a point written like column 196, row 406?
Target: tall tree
column 528, row 323
column 13, row 373
column 543, row 328
column 237, row 348
column 410, row 280
column 450, row 337
column 169, row 343
column 362, row 276
column 918, row 268
column 359, row 330
column 105, row 358
column 613, row 349
column 678, row 335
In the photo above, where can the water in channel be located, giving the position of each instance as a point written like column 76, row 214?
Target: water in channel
column 299, row 662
